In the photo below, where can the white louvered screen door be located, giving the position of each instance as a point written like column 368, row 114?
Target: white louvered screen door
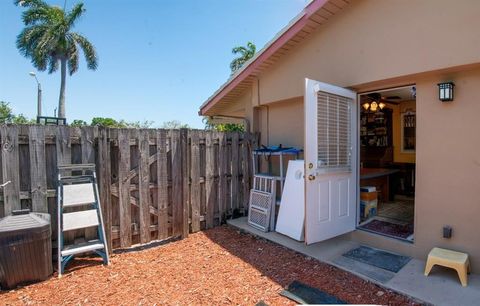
column 330, row 161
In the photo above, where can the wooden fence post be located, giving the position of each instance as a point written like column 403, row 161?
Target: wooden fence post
column 185, row 182
column 10, row 168
column 210, row 180
column 38, row 170
column 63, row 146
column 144, row 185
column 162, row 182
column 195, row 175
column 235, row 173
column 104, row 164
column 124, row 188
column 177, row 184
column 246, row 162
column 88, row 135
column 223, row 161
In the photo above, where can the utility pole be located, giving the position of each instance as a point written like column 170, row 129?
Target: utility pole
column 39, row 95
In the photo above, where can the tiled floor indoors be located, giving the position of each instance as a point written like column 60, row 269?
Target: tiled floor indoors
column 394, row 218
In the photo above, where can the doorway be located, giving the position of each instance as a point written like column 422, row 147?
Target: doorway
column 387, row 141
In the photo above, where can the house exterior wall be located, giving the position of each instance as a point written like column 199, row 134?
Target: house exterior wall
column 373, row 41
column 447, row 169
column 274, row 117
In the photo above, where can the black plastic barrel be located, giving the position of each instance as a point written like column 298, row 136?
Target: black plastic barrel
column 25, row 248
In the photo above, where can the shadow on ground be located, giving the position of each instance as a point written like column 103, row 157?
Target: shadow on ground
column 284, row 266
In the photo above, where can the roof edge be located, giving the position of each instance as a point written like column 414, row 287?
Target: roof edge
column 289, row 31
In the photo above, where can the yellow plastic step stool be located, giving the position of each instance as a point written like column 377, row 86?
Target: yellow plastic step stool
column 450, row 259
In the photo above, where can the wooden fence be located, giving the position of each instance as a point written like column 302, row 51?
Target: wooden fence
column 154, row 183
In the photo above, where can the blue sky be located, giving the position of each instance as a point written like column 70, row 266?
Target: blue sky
column 158, row 59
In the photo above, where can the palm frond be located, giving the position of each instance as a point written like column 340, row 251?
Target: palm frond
column 30, row 3
column 37, row 15
column 88, row 50
column 52, row 64
column 72, row 59
column 47, row 36
column 39, row 59
column 75, row 13
column 239, row 49
column 245, row 53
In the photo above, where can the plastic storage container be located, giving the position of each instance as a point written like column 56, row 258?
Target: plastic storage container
column 25, row 248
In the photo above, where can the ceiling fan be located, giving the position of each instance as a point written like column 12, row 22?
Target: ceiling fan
column 378, row 101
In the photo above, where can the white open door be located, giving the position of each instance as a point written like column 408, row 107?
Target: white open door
column 330, row 161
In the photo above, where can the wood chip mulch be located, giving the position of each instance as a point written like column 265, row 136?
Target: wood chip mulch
column 215, row 267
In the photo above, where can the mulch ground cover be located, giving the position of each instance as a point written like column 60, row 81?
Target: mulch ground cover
column 215, row 267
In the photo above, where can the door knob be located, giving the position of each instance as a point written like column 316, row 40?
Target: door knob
column 311, row 177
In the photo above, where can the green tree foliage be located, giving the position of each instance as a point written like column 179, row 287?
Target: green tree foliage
column 244, row 54
column 223, row 127
column 5, row 112
column 230, row 127
column 105, row 122
column 78, row 122
column 21, row 119
column 137, row 124
column 174, row 124
column 7, row 115
column 50, row 43
column 110, row 122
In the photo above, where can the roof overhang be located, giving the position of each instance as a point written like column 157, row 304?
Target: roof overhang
column 312, row 16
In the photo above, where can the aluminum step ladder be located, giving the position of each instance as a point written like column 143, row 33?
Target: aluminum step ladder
column 77, row 188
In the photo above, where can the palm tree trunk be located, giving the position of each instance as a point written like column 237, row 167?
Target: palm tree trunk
column 61, row 99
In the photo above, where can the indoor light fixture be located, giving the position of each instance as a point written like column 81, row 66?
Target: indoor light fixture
column 445, row 91
column 373, row 106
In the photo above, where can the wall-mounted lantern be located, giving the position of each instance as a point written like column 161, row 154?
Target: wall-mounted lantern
column 445, row 91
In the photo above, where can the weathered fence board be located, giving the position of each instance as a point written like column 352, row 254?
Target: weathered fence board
column 143, row 185
column 195, row 176
column 154, row 183
column 162, row 184
column 185, row 182
column 38, row 170
column 210, row 180
column 10, row 168
column 105, row 182
column 125, row 213
column 235, row 172
column 222, row 175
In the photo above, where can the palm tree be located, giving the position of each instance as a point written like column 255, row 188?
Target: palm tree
column 48, row 41
column 246, row 53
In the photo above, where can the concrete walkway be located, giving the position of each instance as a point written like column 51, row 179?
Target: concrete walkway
column 442, row 287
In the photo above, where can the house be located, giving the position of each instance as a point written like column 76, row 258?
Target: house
column 360, row 86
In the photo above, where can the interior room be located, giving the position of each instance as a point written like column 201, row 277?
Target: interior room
column 387, row 162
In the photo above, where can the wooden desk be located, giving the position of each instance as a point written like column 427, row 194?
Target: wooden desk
column 378, row 177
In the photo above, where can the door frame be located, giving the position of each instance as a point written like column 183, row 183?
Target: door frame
column 357, row 171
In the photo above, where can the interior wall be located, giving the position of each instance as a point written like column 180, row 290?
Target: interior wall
column 398, row 155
